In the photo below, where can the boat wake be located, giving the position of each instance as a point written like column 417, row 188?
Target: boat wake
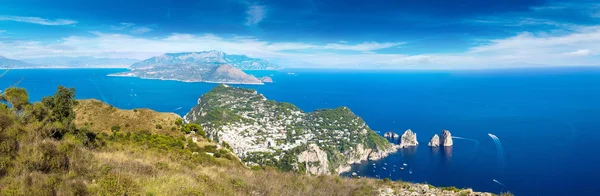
column 498, row 182
column 499, row 148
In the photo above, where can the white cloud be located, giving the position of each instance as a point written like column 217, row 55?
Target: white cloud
column 583, row 52
column 131, row 27
column 140, row 30
column 37, row 20
column 256, row 13
column 121, row 26
column 365, row 47
column 122, row 45
column 575, row 48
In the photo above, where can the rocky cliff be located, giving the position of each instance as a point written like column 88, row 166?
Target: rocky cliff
column 408, row 139
column 446, row 139
column 265, row 132
column 435, row 141
column 315, row 160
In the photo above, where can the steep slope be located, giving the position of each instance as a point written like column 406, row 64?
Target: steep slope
column 12, row 63
column 101, row 117
column 264, row 132
column 83, row 161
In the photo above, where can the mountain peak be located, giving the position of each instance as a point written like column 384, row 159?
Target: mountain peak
column 211, row 57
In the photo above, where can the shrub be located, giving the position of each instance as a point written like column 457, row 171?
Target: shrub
column 115, row 128
column 114, row 184
column 506, row 194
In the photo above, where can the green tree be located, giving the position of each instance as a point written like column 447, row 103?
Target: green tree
column 17, row 97
column 60, row 107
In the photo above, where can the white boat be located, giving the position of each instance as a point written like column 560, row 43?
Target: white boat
column 410, row 171
column 405, row 164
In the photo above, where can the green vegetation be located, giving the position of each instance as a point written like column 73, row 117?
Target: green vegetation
column 55, row 147
column 336, row 131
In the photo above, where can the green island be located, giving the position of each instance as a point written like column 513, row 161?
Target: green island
column 268, row 133
column 64, row 146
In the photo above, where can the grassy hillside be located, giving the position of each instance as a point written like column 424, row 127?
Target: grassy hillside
column 101, row 117
column 45, row 150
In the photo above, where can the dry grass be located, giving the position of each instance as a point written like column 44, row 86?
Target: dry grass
column 100, row 117
column 156, row 174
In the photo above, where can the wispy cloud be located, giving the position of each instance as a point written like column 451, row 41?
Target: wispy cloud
column 582, row 52
column 121, row 26
column 363, row 47
column 255, row 14
column 2, row 31
column 131, row 27
column 140, row 30
column 37, row 20
column 524, row 49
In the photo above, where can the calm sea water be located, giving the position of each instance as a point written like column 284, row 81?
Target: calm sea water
column 547, row 121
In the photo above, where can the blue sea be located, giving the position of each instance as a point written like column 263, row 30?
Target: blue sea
column 547, row 120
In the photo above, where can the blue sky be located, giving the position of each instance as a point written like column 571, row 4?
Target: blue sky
column 423, row 34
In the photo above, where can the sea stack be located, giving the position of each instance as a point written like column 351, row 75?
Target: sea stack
column 446, row 139
column 408, row 139
column 435, row 141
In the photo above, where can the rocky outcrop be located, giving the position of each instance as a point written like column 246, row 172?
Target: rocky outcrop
column 411, row 189
column 390, row 135
column 355, row 156
column 446, row 139
column 315, row 160
column 408, row 139
column 266, row 79
column 435, row 141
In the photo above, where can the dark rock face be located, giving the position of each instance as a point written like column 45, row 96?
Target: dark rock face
column 446, row 139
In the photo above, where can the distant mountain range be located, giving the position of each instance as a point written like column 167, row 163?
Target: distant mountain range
column 206, row 58
column 208, row 66
column 11, row 63
column 81, row 62
column 65, row 62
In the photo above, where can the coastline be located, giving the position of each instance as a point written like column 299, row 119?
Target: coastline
column 371, row 156
column 187, row 81
column 22, row 68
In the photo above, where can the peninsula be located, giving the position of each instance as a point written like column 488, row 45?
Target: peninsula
column 267, row 133
column 208, row 66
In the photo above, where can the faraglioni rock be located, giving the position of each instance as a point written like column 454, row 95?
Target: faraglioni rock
column 446, row 139
column 390, row 135
column 435, row 141
column 408, row 139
